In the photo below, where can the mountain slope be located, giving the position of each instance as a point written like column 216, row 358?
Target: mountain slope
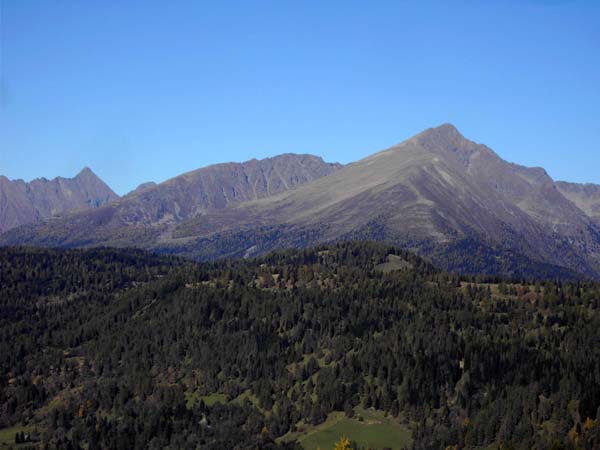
column 142, row 187
column 22, row 202
column 429, row 191
column 585, row 196
column 220, row 186
column 143, row 216
column 438, row 193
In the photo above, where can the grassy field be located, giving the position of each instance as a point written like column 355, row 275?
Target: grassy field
column 191, row 397
column 375, row 431
column 370, row 429
column 7, row 436
column 251, row 397
column 210, row 400
column 394, row 262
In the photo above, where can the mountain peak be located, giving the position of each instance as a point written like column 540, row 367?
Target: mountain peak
column 446, row 128
column 445, row 132
column 443, row 137
column 86, row 171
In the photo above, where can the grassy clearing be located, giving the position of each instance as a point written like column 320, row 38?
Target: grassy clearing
column 247, row 394
column 7, row 436
column 394, row 262
column 210, row 400
column 192, row 397
column 375, row 431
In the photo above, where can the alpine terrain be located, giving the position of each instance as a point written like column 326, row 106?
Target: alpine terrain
column 437, row 193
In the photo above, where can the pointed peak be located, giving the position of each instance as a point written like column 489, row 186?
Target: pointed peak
column 443, row 137
column 446, row 130
column 87, row 173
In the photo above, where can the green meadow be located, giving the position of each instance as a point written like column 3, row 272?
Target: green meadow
column 7, row 436
column 375, row 431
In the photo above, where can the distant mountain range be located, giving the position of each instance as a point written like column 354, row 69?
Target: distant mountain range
column 448, row 198
column 150, row 206
column 22, row 203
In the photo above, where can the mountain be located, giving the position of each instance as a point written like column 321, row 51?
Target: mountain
column 22, row 203
column 585, row 196
column 218, row 187
column 143, row 216
column 142, row 187
column 438, row 193
column 428, row 193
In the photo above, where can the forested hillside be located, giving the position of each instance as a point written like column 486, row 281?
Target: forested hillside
column 120, row 349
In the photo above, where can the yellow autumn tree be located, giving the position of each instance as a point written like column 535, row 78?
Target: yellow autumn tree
column 588, row 425
column 343, row 444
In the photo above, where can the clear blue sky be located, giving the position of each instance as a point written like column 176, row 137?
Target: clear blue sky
column 145, row 90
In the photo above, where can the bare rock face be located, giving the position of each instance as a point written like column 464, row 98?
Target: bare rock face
column 585, row 196
column 221, row 186
column 22, row 203
column 217, row 187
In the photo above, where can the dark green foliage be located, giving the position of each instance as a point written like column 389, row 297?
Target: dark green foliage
column 476, row 256
column 105, row 348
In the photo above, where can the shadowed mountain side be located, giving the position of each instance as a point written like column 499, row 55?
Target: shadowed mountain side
column 465, row 256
